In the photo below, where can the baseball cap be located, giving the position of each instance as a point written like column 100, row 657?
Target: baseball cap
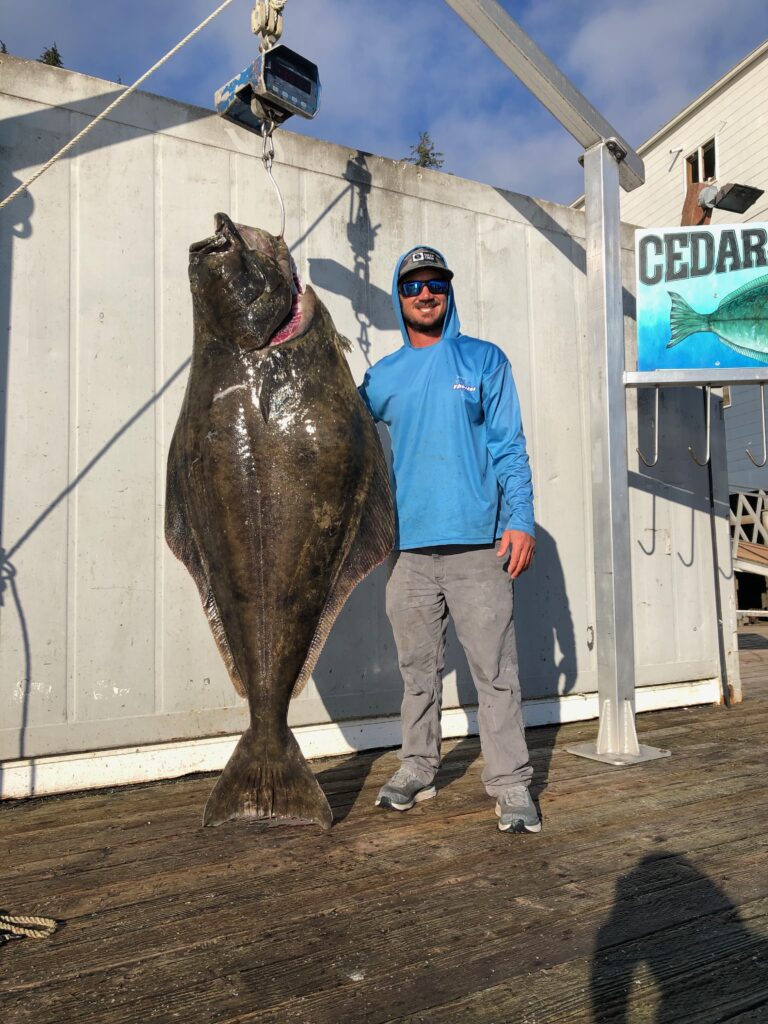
column 424, row 259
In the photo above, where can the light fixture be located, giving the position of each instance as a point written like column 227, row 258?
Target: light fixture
column 731, row 197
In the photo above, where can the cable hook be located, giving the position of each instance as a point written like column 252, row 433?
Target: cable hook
column 655, row 459
column 762, row 413
column 692, row 453
column 267, row 157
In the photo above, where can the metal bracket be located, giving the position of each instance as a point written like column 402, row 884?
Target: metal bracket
column 617, row 739
column 652, row 462
column 708, row 421
column 616, row 149
column 762, row 416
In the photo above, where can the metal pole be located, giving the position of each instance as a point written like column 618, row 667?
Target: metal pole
column 545, row 80
column 614, row 634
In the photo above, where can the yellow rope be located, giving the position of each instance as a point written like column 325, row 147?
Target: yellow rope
column 31, row 927
column 131, row 88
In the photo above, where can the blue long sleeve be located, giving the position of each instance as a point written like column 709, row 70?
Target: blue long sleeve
column 506, row 443
column 460, row 471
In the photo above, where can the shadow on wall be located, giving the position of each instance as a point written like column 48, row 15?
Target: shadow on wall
column 543, row 222
column 15, row 222
column 546, row 646
column 350, row 643
column 672, row 922
column 372, row 306
column 546, row 653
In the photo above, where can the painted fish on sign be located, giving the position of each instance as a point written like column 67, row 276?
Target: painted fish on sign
column 702, row 297
column 277, row 501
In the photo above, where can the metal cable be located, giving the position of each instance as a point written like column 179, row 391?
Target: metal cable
column 131, row 88
column 267, row 156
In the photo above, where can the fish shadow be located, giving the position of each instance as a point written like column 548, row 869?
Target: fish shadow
column 344, row 780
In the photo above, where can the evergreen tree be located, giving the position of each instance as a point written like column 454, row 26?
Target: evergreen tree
column 3, row 47
column 51, row 56
column 424, row 154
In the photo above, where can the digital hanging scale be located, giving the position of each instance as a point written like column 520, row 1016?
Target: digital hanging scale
column 276, row 85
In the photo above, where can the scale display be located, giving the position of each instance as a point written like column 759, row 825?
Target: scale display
column 275, row 86
column 702, row 297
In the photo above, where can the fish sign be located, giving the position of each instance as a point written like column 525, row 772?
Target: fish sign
column 702, row 297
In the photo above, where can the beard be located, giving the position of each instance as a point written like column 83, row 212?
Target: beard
column 417, row 325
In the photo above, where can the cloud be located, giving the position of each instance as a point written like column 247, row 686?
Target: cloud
column 391, row 70
column 642, row 64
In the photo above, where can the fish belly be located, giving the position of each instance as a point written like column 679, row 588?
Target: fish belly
column 281, row 508
column 742, row 321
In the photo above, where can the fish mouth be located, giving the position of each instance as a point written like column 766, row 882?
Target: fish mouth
column 293, row 323
column 222, row 241
column 228, row 236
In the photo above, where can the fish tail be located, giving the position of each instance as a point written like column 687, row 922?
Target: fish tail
column 256, row 783
column 683, row 320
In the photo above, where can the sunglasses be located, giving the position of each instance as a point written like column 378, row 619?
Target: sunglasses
column 410, row 289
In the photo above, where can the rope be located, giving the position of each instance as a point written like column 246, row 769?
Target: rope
column 267, row 21
column 31, row 927
column 131, row 88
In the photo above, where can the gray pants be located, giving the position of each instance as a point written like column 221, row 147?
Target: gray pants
column 469, row 583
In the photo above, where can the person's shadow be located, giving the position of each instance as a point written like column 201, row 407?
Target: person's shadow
column 706, row 965
column 547, row 654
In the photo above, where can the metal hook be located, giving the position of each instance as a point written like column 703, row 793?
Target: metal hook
column 267, row 156
column 655, row 458
column 765, row 451
column 709, row 432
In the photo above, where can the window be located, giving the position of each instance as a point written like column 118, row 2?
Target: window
column 700, row 165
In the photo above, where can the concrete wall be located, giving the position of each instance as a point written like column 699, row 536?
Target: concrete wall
column 103, row 642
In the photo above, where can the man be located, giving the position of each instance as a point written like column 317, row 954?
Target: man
column 461, row 482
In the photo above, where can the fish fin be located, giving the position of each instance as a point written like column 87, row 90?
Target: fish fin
column 370, row 547
column 258, row 784
column 750, row 353
column 758, row 282
column 181, row 540
column 684, row 320
column 344, row 343
column 266, row 388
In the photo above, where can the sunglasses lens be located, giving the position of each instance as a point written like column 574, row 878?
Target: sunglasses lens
column 410, row 289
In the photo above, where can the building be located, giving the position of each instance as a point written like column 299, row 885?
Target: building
column 720, row 137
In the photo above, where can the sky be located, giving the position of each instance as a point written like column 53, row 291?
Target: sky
column 391, row 69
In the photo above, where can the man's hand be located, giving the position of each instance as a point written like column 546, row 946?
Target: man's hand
column 518, row 546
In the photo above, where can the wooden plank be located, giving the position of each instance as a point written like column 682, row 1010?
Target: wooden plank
column 432, row 915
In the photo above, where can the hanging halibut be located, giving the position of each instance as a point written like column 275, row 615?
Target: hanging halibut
column 278, row 500
column 740, row 321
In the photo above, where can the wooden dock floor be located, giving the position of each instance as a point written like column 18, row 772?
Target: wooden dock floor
column 644, row 899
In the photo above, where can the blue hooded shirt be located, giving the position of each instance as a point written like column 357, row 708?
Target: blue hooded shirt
column 460, row 471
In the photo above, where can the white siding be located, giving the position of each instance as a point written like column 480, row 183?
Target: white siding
column 736, row 116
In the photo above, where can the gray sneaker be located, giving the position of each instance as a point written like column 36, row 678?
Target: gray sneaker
column 516, row 810
column 404, row 790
